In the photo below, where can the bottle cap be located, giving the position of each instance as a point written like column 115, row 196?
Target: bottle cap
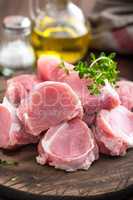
column 18, row 24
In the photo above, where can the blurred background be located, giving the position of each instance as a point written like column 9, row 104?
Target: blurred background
column 16, row 7
column 110, row 28
column 9, row 7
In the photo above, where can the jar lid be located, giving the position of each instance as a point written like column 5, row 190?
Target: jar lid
column 19, row 24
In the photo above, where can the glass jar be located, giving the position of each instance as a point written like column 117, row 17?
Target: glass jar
column 60, row 29
column 16, row 52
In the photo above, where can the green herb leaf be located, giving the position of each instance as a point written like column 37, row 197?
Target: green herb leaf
column 99, row 70
column 62, row 66
column 7, row 162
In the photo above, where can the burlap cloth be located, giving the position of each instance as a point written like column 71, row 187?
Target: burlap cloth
column 112, row 25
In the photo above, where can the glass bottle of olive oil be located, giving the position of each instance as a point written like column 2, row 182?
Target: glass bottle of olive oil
column 59, row 29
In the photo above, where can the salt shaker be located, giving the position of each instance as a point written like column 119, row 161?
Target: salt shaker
column 16, row 52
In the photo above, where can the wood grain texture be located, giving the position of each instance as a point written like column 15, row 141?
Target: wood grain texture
column 105, row 175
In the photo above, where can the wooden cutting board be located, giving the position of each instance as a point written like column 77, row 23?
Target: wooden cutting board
column 107, row 177
column 108, row 174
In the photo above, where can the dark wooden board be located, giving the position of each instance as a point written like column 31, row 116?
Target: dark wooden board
column 107, row 175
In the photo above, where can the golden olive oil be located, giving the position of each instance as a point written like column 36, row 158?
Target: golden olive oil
column 66, row 41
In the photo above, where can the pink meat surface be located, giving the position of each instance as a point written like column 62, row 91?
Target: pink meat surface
column 49, row 104
column 107, row 99
column 125, row 91
column 12, row 133
column 50, row 70
column 68, row 146
column 114, row 130
column 19, row 87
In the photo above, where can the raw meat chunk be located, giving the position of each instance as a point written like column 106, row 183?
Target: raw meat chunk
column 49, row 104
column 68, row 146
column 50, row 70
column 19, row 87
column 125, row 91
column 114, row 130
column 12, row 133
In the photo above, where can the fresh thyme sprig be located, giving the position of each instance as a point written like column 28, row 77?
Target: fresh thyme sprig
column 99, row 70
column 62, row 66
column 7, row 162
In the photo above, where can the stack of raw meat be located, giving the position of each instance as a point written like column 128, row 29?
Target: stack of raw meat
column 55, row 110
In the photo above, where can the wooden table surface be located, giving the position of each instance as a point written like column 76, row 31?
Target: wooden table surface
column 9, row 7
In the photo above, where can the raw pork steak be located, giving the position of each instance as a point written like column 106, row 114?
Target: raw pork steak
column 68, row 146
column 125, row 91
column 107, row 99
column 50, row 70
column 19, row 86
column 114, row 131
column 49, row 104
column 12, row 133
